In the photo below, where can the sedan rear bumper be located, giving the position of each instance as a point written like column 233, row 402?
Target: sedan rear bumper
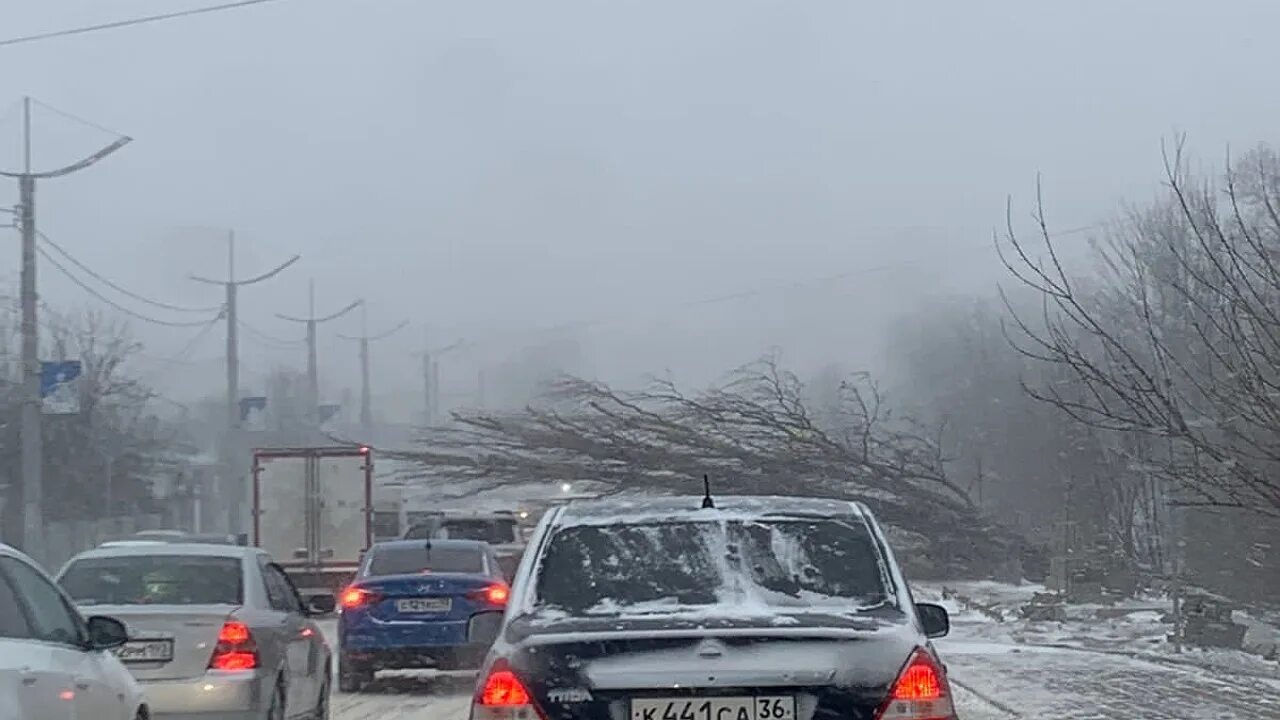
column 213, row 696
column 387, row 636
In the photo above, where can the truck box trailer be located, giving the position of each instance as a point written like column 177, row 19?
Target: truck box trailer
column 312, row 510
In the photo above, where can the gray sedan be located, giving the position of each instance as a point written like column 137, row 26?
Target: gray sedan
column 217, row 632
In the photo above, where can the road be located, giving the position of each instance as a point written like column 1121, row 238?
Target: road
column 993, row 681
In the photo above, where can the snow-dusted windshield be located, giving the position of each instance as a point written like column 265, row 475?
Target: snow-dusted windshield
column 658, row 567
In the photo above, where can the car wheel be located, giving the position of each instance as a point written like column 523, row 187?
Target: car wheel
column 352, row 676
column 322, row 702
column 276, row 710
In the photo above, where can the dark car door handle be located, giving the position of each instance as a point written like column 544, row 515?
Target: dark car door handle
column 28, row 677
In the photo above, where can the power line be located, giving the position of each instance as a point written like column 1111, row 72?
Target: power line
column 131, row 313
column 749, row 293
column 131, row 21
column 154, row 303
column 268, row 339
column 183, row 356
column 798, row 285
column 77, row 119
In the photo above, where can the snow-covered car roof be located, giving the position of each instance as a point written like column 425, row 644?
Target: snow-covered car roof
column 686, row 507
column 144, row 547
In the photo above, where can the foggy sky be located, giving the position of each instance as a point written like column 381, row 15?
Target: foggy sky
column 488, row 170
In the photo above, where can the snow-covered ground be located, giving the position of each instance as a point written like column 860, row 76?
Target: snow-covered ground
column 1084, row 669
column 1091, row 667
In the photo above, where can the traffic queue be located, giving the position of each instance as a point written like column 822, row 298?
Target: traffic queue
column 653, row 608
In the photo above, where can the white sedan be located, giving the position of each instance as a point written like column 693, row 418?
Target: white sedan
column 215, row 631
column 54, row 664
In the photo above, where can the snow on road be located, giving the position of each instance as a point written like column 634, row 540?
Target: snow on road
column 398, row 699
column 402, row 696
column 1070, row 684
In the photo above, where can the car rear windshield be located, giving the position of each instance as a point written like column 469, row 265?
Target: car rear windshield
column 798, row 564
column 155, row 580
column 495, row 532
column 420, row 559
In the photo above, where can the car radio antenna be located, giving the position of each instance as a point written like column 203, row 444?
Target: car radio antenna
column 707, row 502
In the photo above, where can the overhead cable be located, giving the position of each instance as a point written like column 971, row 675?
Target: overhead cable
column 131, row 313
column 154, row 303
column 140, row 20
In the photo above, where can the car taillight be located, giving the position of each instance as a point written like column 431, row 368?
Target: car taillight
column 236, row 649
column 503, row 697
column 495, row 594
column 354, row 597
column 920, row 692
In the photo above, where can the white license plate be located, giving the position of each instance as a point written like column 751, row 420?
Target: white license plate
column 424, row 605
column 718, row 708
column 145, row 651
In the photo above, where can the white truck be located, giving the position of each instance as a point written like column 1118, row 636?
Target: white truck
column 312, row 510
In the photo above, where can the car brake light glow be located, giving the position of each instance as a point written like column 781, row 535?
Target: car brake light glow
column 920, row 692
column 354, row 597
column 504, row 689
column 495, row 594
column 233, row 633
column 498, row 594
column 504, row 697
column 236, row 649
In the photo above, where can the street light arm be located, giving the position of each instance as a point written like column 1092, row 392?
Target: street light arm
column 371, row 338
column 290, row 318
column 391, row 332
column 119, row 143
column 341, row 312
column 271, row 274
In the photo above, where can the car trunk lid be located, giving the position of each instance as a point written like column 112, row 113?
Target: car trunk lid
column 808, row 672
column 168, row 642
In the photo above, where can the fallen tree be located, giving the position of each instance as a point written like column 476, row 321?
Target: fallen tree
column 755, row 433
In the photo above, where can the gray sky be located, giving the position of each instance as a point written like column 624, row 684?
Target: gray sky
column 494, row 168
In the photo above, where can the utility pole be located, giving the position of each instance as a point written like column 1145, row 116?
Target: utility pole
column 366, row 400
column 431, row 380
column 231, row 287
column 32, row 461
column 313, row 371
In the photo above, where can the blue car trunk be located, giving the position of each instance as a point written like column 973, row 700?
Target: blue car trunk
column 420, row 610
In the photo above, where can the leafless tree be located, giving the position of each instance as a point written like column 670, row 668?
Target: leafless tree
column 1017, row 457
column 1177, row 340
column 753, row 433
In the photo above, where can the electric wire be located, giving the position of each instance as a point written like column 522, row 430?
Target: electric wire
column 123, row 291
column 131, row 313
column 76, row 119
column 266, row 338
column 140, row 20
column 183, row 356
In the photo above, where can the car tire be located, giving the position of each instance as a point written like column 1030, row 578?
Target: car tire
column 322, row 700
column 353, row 677
column 276, row 711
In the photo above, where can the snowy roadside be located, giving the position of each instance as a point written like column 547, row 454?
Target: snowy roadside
column 989, row 611
column 1088, row 668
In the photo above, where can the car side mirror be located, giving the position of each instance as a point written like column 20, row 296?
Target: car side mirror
column 106, row 632
column 321, row 604
column 934, row 618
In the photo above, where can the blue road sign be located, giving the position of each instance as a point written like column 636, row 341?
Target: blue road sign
column 59, row 389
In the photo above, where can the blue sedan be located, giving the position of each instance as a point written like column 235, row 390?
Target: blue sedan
column 419, row 604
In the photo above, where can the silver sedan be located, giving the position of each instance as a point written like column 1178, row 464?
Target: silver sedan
column 216, row 632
